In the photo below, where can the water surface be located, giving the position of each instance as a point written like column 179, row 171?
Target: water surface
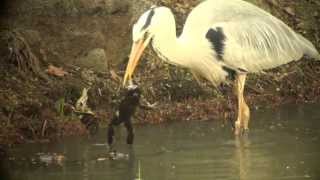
column 282, row 144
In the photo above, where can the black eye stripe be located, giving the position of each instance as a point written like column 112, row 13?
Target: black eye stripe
column 149, row 18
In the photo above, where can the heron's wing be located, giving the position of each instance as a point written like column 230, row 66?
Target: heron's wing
column 197, row 77
column 254, row 39
column 209, row 12
column 255, row 44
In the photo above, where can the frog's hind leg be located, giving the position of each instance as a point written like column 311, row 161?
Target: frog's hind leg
column 130, row 137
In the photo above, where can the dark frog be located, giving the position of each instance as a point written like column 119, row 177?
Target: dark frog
column 126, row 110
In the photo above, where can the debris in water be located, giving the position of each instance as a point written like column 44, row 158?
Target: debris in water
column 102, row 159
column 114, row 155
column 51, row 158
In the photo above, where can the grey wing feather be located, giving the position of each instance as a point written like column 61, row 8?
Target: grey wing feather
column 209, row 12
column 255, row 40
column 257, row 44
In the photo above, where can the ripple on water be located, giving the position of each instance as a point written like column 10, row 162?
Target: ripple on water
column 188, row 151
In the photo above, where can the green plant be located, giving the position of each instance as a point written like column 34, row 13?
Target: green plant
column 60, row 106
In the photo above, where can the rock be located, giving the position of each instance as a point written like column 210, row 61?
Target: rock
column 33, row 37
column 103, row 6
column 95, row 59
column 66, row 7
column 140, row 6
column 88, row 76
column 80, row 7
column 113, row 6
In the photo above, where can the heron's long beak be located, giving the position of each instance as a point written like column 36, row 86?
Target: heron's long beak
column 136, row 52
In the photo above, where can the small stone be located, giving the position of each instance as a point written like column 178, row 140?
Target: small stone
column 95, row 59
column 290, row 11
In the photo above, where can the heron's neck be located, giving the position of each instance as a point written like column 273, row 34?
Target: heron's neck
column 167, row 45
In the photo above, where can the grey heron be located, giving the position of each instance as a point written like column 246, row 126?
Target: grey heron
column 222, row 41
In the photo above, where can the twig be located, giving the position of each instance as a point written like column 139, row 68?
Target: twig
column 32, row 129
column 44, row 127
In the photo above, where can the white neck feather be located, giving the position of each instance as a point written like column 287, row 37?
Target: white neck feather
column 183, row 52
column 166, row 43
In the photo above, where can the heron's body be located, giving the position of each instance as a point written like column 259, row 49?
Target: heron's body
column 254, row 40
column 222, row 39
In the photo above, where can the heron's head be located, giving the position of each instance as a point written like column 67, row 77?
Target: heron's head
column 142, row 33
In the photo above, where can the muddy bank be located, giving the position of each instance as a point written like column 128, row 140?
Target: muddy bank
column 87, row 45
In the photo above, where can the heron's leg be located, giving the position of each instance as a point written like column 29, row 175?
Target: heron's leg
column 243, row 109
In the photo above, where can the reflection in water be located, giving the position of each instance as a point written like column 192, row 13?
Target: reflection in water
column 4, row 174
column 282, row 144
column 242, row 153
column 85, row 170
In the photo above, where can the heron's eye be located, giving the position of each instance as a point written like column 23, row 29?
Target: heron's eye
column 146, row 35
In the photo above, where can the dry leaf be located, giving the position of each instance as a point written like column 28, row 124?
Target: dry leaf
column 290, row 11
column 56, row 71
column 115, row 76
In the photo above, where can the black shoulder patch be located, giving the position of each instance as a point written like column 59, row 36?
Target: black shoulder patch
column 231, row 73
column 217, row 38
column 149, row 18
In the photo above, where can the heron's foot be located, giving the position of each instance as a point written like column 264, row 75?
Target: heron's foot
column 240, row 129
column 237, row 128
column 242, row 123
column 245, row 132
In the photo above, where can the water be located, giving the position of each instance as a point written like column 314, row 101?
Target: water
column 282, row 144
